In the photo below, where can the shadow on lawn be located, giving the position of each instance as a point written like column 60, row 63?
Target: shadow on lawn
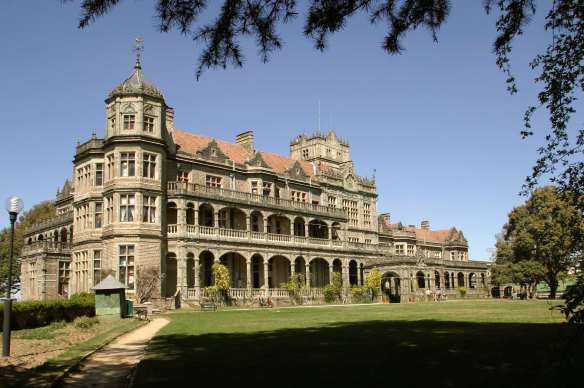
column 418, row 353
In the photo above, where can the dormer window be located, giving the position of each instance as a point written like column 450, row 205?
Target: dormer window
column 148, row 124
column 129, row 121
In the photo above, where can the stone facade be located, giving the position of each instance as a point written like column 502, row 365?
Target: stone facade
column 156, row 207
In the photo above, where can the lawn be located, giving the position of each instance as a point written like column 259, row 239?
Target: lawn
column 457, row 343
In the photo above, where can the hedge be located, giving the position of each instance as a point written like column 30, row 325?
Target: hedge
column 27, row 315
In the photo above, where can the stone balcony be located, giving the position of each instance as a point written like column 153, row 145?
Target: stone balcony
column 57, row 221
column 51, row 247
column 235, row 235
column 255, row 200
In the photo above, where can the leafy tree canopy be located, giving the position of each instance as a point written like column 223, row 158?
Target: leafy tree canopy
column 541, row 239
column 37, row 213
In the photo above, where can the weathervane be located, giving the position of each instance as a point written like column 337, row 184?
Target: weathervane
column 138, row 48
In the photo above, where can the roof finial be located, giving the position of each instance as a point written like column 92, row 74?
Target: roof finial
column 138, row 48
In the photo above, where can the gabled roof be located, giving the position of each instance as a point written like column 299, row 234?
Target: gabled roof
column 440, row 236
column 109, row 283
column 191, row 143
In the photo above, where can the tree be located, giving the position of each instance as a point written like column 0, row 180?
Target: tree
column 373, row 282
column 260, row 18
column 544, row 234
column 561, row 69
column 37, row 213
column 527, row 273
column 222, row 280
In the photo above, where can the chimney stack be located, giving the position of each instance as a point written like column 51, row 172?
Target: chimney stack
column 246, row 141
column 385, row 218
column 426, row 225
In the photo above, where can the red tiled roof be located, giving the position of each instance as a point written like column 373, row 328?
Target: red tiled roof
column 429, row 235
column 191, row 143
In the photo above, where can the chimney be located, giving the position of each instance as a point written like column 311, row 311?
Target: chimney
column 426, row 225
column 246, row 141
column 385, row 218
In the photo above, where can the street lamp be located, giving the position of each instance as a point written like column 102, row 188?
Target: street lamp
column 13, row 206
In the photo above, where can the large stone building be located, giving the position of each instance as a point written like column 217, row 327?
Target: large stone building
column 156, row 207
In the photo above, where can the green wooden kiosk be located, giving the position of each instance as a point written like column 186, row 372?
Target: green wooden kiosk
column 110, row 297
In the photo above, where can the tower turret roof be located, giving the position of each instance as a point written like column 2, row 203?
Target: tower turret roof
column 137, row 83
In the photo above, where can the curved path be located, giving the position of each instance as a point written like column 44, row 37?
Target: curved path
column 112, row 367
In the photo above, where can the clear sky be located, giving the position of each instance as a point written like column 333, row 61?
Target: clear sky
column 436, row 122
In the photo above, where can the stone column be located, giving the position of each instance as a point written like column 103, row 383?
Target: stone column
column 248, row 273
column 307, row 265
column 359, row 280
column 266, row 276
column 248, row 227
column 197, row 279
column 181, row 271
column 330, row 274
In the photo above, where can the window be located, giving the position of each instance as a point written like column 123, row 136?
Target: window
column 351, row 208
column 255, row 223
column 126, row 208
column 298, row 196
column 223, row 219
column 83, row 177
column 149, row 209
column 367, row 215
column 182, row 176
column 110, row 166
column 213, row 181
column 64, row 275
column 148, row 166
column 82, row 216
column 127, row 164
column 96, row 267
column 127, row 266
column 129, row 121
column 452, row 254
column 31, row 278
column 148, row 124
column 254, row 187
column 399, row 250
column 109, row 209
column 304, row 154
column 410, row 250
column 267, row 189
column 98, row 215
column 368, row 241
column 99, row 174
column 437, row 254
column 332, row 202
column 353, row 239
column 81, row 271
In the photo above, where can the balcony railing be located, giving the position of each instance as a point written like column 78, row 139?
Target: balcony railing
column 47, row 247
column 185, row 188
column 255, row 293
column 197, row 231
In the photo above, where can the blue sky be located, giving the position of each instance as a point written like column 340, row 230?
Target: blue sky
column 436, row 122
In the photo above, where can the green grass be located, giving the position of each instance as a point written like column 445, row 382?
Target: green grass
column 45, row 374
column 459, row 343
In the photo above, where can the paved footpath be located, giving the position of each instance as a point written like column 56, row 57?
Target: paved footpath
column 113, row 366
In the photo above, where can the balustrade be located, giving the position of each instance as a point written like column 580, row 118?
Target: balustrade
column 205, row 191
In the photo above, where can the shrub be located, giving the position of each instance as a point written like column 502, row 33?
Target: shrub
column 294, row 286
column 462, row 291
column 373, row 281
column 331, row 293
column 85, row 322
column 41, row 313
column 357, row 292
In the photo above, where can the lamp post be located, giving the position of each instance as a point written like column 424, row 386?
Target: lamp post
column 13, row 206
